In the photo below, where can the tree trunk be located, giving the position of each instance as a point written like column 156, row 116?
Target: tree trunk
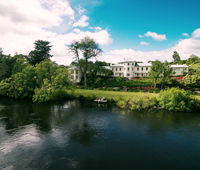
column 85, row 79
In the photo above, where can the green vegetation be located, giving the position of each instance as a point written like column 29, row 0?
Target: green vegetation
column 89, row 49
column 176, row 57
column 40, row 53
column 173, row 99
column 37, row 78
column 160, row 72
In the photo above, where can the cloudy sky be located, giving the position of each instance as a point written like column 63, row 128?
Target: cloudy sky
column 130, row 29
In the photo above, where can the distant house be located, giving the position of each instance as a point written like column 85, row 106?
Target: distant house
column 74, row 74
column 130, row 69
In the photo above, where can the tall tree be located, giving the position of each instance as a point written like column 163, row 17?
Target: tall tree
column 87, row 49
column 160, row 71
column 40, row 53
column 176, row 57
column 155, row 72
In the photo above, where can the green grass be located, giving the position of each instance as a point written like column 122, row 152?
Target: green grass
column 110, row 95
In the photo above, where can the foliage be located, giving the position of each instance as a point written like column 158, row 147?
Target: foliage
column 53, row 88
column 194, row 69
column 176, row 57
column 19, row 64
column 160, row 72
column 48, row 92
column 87, row 48
column 20, row 85
column 193, row 60
column 176, row 99
column 6, row 64
column 43, row 82
column 40, row 53
column 45, row 70
column 191, row 80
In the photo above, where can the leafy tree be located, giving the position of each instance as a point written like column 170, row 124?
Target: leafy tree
column 193, row 60
column 40, row 53
column 191, row 80
column 194, row 69
column 160, row 71
column 20, row 85
column 165, row 73
column 20, row 63
column 176, row 57
column 6, row 65
column 88, row 49
column 156, row 71
column 98, row 73
column 45, row 70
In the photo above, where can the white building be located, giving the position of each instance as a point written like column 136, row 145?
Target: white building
column 74, row 74
column 130, row 69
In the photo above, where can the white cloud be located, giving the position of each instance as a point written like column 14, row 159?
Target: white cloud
column 95, row 28
column 24, row 21
column 144, row 43
column 155, row 36
column 81, row 10
column 82, row 22
column 185, row 48
column 196, row 33
column 185, row 34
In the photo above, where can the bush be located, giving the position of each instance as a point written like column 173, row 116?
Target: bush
column 137, row 102
column 142, row 103
column 48, row 92
column 176, row 99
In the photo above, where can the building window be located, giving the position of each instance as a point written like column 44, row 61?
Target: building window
column 142, row 75
column 142, row 68
column 138, row 69
column 128, row 75
column 146, row 68
column 128, row 68
column 116, row 69
column 132, row 69
column 128, row 64
column 120, row 69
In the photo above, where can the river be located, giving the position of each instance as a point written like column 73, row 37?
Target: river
column 77, row 135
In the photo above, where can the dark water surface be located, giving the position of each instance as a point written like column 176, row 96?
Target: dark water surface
column 75, row 135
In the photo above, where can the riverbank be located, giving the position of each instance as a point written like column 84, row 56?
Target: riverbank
column 172, row 99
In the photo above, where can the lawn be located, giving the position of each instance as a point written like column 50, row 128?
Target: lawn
column 110, row 95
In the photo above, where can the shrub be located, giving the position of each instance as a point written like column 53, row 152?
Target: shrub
column 176, row 99
column 142, row 103
column 48, row 92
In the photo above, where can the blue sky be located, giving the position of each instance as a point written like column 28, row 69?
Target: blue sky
column 126, row 19
column 125, row 29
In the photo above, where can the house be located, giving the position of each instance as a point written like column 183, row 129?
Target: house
column 130, row 69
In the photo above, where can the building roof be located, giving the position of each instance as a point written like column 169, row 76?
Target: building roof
column 116, row 65
column 144, row 64
column 178, row 66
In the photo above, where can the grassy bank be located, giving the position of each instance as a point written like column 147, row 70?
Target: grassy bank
column 129, row 100
column 173, row 99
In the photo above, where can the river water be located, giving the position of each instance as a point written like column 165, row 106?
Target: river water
column 77, row 135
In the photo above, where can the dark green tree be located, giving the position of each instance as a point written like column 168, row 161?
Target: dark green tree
column 88, row 49
column 176, row 57
column 40, row 53
column 160, row 72
column 6, row 65
column 193, row 59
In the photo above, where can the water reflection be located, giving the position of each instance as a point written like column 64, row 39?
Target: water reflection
column 82, row 135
